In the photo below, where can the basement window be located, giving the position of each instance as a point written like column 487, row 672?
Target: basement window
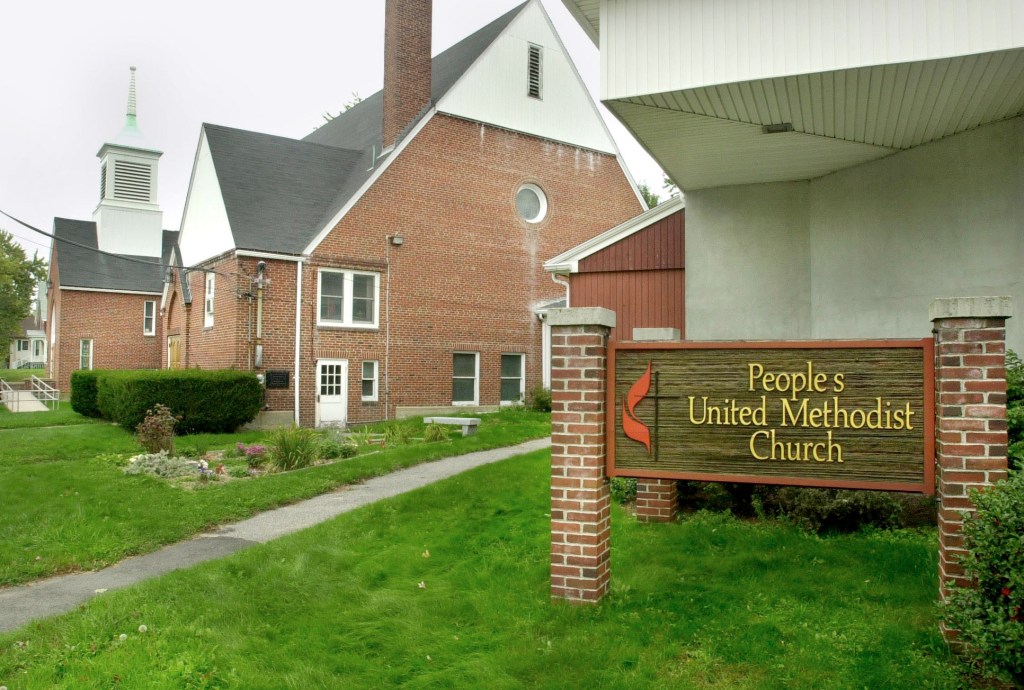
column 465, row 378
column 533, row 71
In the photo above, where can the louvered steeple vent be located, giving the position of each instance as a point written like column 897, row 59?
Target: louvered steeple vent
column 128, row 219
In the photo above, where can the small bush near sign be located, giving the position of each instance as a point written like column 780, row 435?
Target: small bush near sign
column 990, row 615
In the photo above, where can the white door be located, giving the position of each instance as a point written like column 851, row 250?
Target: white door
column 331, row 392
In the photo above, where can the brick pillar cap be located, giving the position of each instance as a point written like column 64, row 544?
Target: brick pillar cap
column 582, row 316
column 971, row 308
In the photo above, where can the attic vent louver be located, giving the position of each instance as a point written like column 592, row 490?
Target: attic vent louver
column 103, row 181
column 534, row 72
column 132, row 181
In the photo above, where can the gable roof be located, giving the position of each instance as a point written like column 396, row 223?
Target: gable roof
column 569, row 261
column 86, row 267
column 275, row 189
column 279, row 193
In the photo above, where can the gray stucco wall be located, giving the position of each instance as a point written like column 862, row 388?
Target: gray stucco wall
column 866, row 249
column 748, row 262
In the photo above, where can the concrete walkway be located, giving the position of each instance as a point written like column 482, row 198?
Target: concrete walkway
column 25, row 603
column 23, row 401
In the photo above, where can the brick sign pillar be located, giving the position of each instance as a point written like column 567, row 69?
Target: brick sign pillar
column 580, row 501
column 970, row 416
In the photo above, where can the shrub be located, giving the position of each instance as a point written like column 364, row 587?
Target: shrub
column 156, row 432
column 990, row 615
column 435, row 432
column 83, row 392
column 206, row 401
column 332, row 448
column 1015, row 409
column 832, row 510
column 293, row 448
column 397, row 433
column 623, row 489
column 540, row 399
column 254, row 455
column 161, row 465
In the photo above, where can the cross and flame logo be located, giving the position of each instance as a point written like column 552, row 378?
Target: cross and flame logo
column 631, row 426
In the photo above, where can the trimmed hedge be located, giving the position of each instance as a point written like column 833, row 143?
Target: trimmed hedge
column 83, row 392
column 206, row 401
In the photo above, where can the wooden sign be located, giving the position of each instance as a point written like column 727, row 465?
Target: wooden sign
column 854, row 415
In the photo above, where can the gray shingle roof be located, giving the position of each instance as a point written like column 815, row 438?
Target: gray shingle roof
column 280, row 192
column 84, row 267
column 276, row 190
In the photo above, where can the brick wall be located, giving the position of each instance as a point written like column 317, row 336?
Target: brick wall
column 470, row 270
column 113, row 321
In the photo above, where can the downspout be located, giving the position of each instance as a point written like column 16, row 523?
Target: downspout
column 258, row 350
column 387, row 332
column 298, row 332
column 564, row 283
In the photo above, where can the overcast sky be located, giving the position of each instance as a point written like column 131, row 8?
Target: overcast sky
column 270, row 67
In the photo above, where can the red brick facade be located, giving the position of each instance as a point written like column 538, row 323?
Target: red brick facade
column 466, row 277
column 113, row 321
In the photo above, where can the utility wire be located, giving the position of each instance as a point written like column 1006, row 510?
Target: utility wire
column 121, row 257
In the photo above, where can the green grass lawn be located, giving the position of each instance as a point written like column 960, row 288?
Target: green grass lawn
column 10, row 375
column 711, row 602
column 63, row 415
column 67, row 504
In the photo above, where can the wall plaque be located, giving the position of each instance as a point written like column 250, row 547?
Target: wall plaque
column 856, row 415
column 277, row 378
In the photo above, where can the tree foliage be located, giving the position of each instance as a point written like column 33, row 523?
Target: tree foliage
column 18, row 278
column 649, row 196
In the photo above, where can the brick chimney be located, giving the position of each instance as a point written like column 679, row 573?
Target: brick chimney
column 406, row 63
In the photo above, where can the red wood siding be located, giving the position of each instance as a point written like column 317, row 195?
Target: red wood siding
column 640, row 299
column 658, row 246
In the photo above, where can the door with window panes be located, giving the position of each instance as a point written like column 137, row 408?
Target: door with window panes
column 331, row 392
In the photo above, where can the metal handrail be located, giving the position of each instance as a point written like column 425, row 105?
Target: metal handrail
column 7, row 396
column 45, row 392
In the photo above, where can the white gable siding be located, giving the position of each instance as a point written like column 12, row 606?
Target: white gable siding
column 205, row 230
column 494, row 90
column 654, row 46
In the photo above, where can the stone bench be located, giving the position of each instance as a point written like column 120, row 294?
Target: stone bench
column 468, row 424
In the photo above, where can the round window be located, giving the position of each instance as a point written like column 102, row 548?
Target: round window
column 531, row 203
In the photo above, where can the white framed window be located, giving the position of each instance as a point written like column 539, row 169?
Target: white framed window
column 149, row 317
column 208, row 301
column 85, row 354
column 347, row 299
column 465, row 378
column 38, row 348
column 513, row 382
column 369, row 381
column 22, row 346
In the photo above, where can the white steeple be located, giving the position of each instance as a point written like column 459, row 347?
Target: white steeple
column 128, row 218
